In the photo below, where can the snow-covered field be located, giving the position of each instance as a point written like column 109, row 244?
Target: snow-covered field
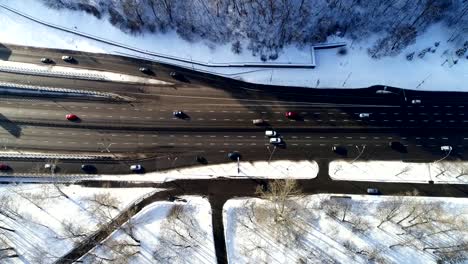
column 398, row 171
column 40, row 223
column 356, row 229
column 434, row 71
column 163, row 232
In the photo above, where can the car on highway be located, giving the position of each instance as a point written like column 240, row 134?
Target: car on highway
column 136, row 168
column 276, row 140
column 88, row 168
column 71, row 117
column 415, row 101
column 258, row 122
column 234, row 155
column 50, row 167
column 364, row 115
column 67, row 58
column 291, row 115
column 145, row 70
column 270, row 133
column 340, row 150
column 46, row 60
column 178, row 76
column 201, row 160
column 373, row 191
column 398, row 146
column 4, row 167
column 446, row 148
column 179, row 114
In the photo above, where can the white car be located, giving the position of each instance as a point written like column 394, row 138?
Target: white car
column 276, row 140
column 446, row 148
column 258, row 121
column 270, row 133
column 416, row 101
column 136, row 167
column 50, row 167
column 363, row 115
column 67, row 58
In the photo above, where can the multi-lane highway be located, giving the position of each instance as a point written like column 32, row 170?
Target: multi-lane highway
column 219, row 114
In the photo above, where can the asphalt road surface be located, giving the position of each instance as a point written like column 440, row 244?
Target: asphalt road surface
column 218, row 119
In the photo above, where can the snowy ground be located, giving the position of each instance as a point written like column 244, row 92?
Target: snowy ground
column 435, row 71
column 42, row 222
column 260, row 169
column 397, row 171
column 357, row 229
column 163, row 232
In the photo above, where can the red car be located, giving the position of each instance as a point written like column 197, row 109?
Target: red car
column 71, row 117
column 4, row 167
column 292, row 115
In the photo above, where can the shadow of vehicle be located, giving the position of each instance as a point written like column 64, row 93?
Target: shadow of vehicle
column 10, row 126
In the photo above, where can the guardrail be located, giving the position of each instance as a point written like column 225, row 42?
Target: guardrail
column 48, row 73
column 174, row 58
column 14, row 155
column 56, row 90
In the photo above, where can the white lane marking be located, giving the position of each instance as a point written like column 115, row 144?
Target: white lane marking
column 451, row 121
column 294, row 144
column 253, row 144
column 227, row 119
column 335, row 137
column 418, row 145
column 307, row 137
column 376, row 137
column 346, row 120
column 213, row 119
column 385, row 120
column 418, row 138
column 279, row 120
column 253, row 136
column 332, row 120
column 200, row 119
column 323, row 145
column 212, row 136
column 154, row 135
column 211, row 111
column 404, row 138
column 445, row 138
column 186, row 136
column 171, row 136
column 377, row 145
column 240, row 120
column 389, row 137
column 198, row 136
column 461, row 106
column 294, row 137
column 226, row 136
column 322, row 137
column 431, row 138
column 240, row 136
column 349, row 137
column 449, row 114
column 362, row 137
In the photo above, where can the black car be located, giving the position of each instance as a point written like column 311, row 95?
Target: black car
column 145, row 70
column 340, row 150
column 178, row 76
column 396, row 145
column 46, row 60
column 88, row 168
column 234, row 155
column 201, row 160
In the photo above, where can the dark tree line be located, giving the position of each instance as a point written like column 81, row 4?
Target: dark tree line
column 265, row 26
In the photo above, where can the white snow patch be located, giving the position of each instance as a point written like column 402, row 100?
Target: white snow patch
column 398, row 171
column 304, row 169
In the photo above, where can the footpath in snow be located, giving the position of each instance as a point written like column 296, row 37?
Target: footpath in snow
column 438, row 69
column 398, row 171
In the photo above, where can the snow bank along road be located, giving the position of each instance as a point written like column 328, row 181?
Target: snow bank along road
column 218, row 119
